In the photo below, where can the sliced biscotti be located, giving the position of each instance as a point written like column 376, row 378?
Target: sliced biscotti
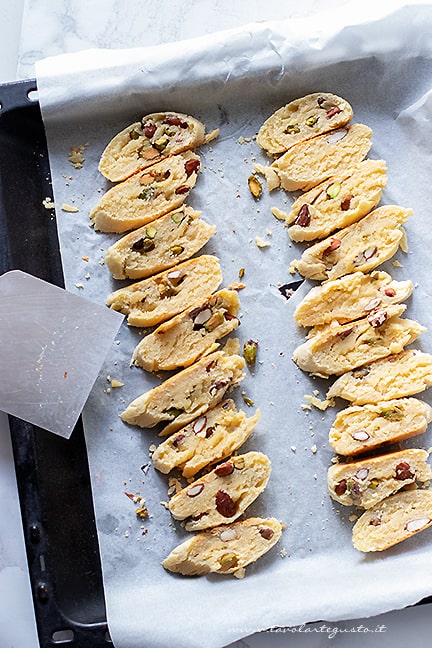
column 165, row 242
column 143, row 143
column 397, row 376
column 158, row 298
column 206, row 440
column 225, row 549
column 146, row 196
column 361, row 428
column 340, row 201
column 350, row 297
column 190, row 335
column 309, row 163
column 189, row 393
column 303, row 119
column 223, row 494
column 365, row 483
column 339, row 348
column 361, row 246
column 397, row 518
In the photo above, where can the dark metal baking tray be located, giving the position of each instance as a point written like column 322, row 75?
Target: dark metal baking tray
column 52, row 472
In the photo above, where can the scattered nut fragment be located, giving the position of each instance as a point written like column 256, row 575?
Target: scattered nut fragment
column 48, row 203
column 69, row 208
column 279, row 214
column 250, row 349
column 76, row 157
column 255, row 187
column 261, row 243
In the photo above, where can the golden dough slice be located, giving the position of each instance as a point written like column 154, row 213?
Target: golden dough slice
column 339, row 348
column 225, row 549
column 340, row 201
column 143, row 143
column 223, row 494
column 162, row 244
column 189, row 335
column 350, row 297
column 394, row 520
column 158, row 298
column 359, row 247
column 145, row 196
column 302, row 119
column 189, row 393
column 397, row 376
column 361, row 428
column 309, row 163
column 206, row 440
column 365, row 483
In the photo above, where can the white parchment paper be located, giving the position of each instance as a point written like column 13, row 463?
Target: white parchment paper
column 379, row 59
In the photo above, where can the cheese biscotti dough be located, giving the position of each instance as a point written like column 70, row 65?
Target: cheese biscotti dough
column 309, row 163
column 361, row 246
column 395, row 519
column 361, row 428
column 365, row 483
column 339, row 348
column 189, row 393
column 162, row 244
column 206, row 440
column 158, row 298
column 223, row 494
column 146, row 196
column 225, row 549
column 350, row 297
column 143, row 143
column 303, row 119
column 340, row 201
column 189, row 335
column 397, row 376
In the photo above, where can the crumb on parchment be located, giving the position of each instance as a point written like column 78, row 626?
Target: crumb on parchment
column 76, row 157
column 69, row 208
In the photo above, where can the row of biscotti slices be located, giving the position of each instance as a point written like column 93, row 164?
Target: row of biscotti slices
column 178, row 296
column 356, row 329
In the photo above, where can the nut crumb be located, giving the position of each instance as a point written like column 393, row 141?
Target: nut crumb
column 236, row 285
column 116, row 383
column 152, row 449
column 260, row 242
column 240, row 573
column 314, row 449
column 283, row 552
column 76, row 157
column 293, row 448
column 397, row 264
column 164, row 504
column 279, row 214
column 319, row 404
column 48, row 203
column 212, row 135
column 353, row 518
column 69, row 208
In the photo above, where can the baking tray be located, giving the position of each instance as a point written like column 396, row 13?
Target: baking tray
column 52, row 472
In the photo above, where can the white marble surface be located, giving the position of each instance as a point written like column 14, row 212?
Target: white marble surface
column 50, row 28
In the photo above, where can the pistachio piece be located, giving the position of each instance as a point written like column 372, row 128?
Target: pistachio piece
column 333, row 190
column 151, row 232
column 133, row 134
column 374, row 483
column 147, row 194
column 250, row 349
column 174, row 412
column 177, row 217
column 143, row 245
column 292, row 128
column 176, row 249
column 311, row 121
column 228, row 561
column 239, row 463
column 215, row 320
column 255, row 187
column 161, row 143
column 392, row 413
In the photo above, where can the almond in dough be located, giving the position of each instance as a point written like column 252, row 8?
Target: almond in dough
column 144, row 143
column 362, row 428
column 162, row 244
column 350, row 297
column 365, row 483
column 206, row 440
column 394, row 520
column 147, row 195
column 397, row 376
column 191, row 334
column 359, row 247
column 225, row 549
column 340, row 201
column 309, row 163
column 303, row 119
column 223, row 494
column 189, row 393
column 158, row 298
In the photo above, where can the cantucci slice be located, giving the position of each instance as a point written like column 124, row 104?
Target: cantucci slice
column 339, row 348
column 362, row 428
column 158, row 298
column 190, row 335
column 225, row 549
column 397, row 376
column 359, row 247
column 303, row 119
column 189, row 393
column 309, row 163
column 365, row 483
column 340, row 201
column 397, row 518
column 206, row 440
column 350, row 297
column 143, row 143
column 223, row 494
column 146, row 196
column 160, row 245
